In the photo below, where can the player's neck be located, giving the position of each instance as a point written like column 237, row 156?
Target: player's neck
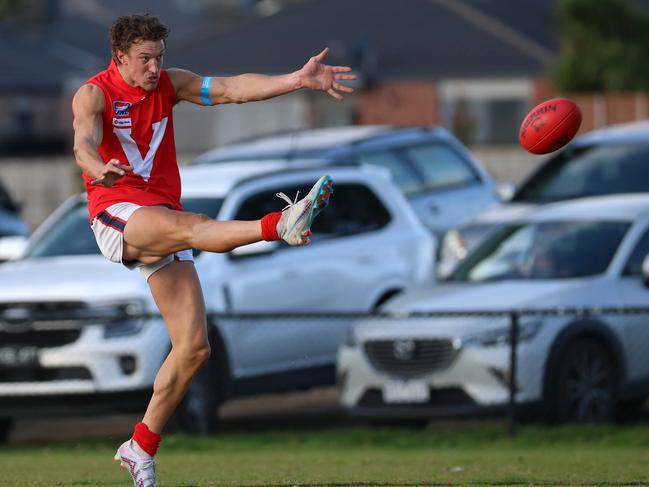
column 124, row 74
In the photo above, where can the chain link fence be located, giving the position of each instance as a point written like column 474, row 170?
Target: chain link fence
column 572, row 364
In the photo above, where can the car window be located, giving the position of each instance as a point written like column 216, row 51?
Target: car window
column 440, row 166
column 75, row 222
column 402, row 175
column 633, row 266
column 589, row 171
column 353, row 209
column 548, row 250
column 57, row 241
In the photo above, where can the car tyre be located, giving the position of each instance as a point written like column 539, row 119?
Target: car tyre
column 586, row 383
column 6, row 426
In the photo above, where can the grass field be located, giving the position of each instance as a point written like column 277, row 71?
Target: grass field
column 458, row 455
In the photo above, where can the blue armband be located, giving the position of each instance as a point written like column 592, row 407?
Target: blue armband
column 205, row 91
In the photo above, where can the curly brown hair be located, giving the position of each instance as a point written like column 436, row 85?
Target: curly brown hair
column 129, row 29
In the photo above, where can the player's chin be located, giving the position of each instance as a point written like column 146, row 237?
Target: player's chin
column 150, row 85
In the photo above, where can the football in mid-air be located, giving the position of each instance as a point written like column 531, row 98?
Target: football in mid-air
column 549, row 126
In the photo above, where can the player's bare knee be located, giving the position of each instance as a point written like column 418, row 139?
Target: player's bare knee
column 203, row 354
column 195, row 355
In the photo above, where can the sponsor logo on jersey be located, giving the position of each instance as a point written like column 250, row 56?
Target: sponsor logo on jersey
column 122, row 122
column 121, row 108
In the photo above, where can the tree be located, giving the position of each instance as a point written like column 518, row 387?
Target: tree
column 7, row 8
column 604, row 45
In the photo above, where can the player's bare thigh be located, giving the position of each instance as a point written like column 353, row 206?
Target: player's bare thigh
column 178, row 295
column 153, row 232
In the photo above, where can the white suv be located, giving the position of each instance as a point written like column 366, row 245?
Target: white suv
column 71, row 331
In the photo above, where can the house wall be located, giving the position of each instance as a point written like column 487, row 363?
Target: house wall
column 400, row 103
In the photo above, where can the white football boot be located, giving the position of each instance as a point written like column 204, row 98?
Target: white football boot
column 294, row 226
column 141, row 468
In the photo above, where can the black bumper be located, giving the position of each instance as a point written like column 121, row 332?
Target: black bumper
column 75, row 404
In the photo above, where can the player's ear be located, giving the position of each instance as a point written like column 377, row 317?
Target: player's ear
column 120, row 56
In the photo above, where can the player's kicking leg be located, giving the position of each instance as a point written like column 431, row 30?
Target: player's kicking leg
column 155, row 232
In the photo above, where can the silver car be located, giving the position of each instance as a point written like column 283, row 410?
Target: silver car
column 612, row 160
column 440, row 178
column 586, row 253
column 71, row 332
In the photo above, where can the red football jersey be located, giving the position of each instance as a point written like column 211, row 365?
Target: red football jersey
column 138, row 130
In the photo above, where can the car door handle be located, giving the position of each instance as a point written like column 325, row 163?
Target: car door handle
column 433, row 208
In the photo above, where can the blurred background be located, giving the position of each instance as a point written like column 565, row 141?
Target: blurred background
column 473, row 67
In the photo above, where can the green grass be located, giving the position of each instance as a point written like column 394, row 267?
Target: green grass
column 460, row 455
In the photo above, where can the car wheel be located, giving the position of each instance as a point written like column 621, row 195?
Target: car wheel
column 586, row 383
column 6, row 426
column 631, row 409
column 197, row 414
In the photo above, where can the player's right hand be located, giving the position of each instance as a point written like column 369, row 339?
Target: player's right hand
column 112, row 171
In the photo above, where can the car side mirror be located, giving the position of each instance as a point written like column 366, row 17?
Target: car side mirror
column 253, row 249
column 645, row 271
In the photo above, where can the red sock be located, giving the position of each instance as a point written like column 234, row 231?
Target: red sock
column 147, row 439
column 269, row 226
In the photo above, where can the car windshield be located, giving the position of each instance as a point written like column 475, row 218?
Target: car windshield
column 71, row 235
column 547, row 250
column 589, row 171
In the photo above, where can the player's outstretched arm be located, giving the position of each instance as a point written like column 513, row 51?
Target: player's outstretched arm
column 87, row 108
column 254, row 87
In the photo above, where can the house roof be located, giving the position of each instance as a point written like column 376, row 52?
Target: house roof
column 383, row 39
column 71, row 39
column 413, row 38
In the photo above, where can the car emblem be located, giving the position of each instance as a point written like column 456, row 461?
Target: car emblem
column 404, row 349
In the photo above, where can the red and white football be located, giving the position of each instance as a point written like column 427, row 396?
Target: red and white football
column 549, row 126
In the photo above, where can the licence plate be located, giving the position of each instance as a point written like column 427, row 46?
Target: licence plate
column 18, row 356
column 408, row 391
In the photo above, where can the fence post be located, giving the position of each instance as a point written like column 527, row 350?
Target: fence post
column 513, row 341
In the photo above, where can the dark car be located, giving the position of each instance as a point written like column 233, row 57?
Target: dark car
column 612, row 160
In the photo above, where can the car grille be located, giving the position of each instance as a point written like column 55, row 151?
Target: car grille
column 54, row 311
column 40, row 374
column 409, row 358
column 40, row 324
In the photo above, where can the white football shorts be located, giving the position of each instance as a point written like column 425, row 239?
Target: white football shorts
column 108, row 227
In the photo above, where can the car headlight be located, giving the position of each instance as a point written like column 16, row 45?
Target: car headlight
column 501, row 335
column 123, row 328
column 118, row 318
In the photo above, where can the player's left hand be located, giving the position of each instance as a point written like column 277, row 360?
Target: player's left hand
column 323, row 77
